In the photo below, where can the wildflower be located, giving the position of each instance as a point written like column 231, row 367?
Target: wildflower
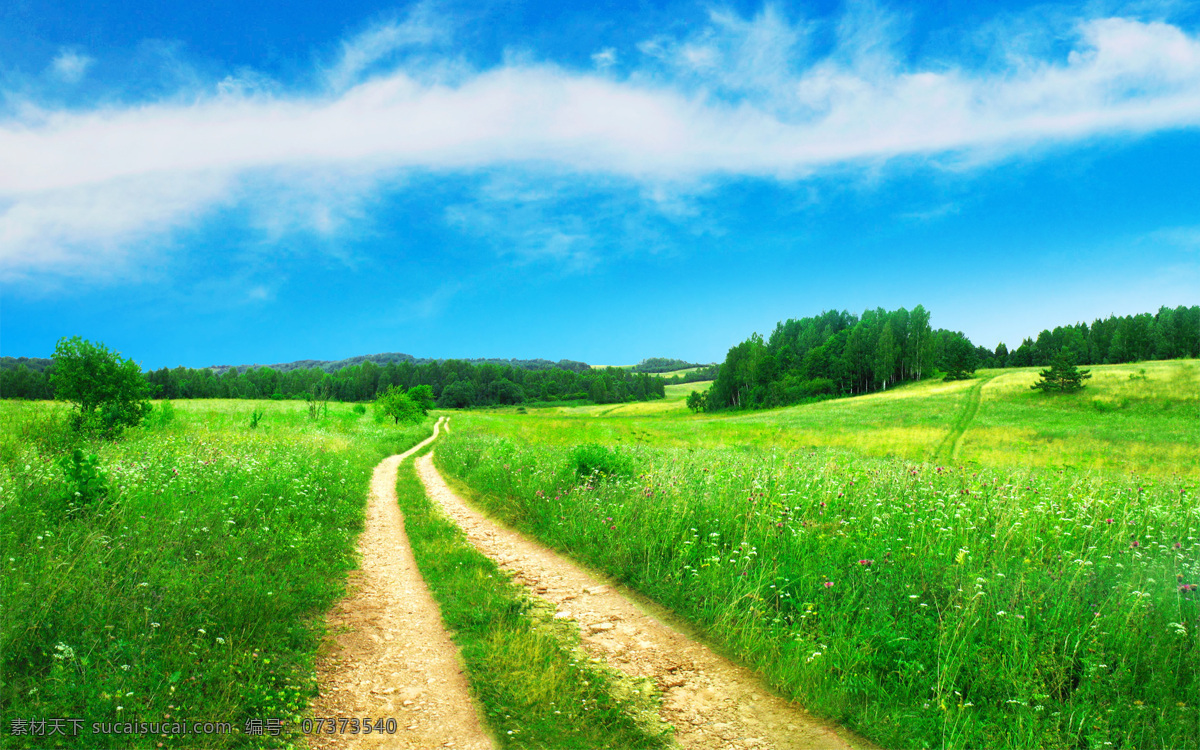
column 1108, row 520
column 865, row 562
column 829, row 584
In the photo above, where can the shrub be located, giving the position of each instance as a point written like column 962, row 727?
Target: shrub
column 107, row 391
column 596, row 460
column 86, row 483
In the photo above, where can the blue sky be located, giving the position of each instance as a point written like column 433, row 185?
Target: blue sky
column 224, row 182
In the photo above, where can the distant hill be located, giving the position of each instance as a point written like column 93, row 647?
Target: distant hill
column 387, row 358
column 37, row 364
column 664, row 364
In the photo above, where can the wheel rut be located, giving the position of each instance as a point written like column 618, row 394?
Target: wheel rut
column 712, row 702
column 388, row 655
column 947, row 449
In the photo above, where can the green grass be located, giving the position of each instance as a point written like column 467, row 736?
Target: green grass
column 922, row 606
column 194, row 590
column 537, row 688
column 1149, row 426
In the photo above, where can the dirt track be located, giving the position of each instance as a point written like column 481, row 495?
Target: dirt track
column 711, row 702
column 389, row 655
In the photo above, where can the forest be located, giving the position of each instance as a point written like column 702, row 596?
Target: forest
column 837, row 353
column 455, row 383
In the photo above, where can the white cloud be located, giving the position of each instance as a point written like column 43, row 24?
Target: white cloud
column 70, row 66
column 605, row 58
column 366, row 50
column 73, row 181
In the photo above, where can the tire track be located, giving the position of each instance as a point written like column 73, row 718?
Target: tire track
column 947, row 449
column 711, row 702
column 389, row 656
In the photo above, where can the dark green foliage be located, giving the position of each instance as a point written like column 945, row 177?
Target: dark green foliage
column 959, row 357
column 696, row 400
column 597, row 461
column 108, row 392
column 256, row 417
column 86, row 482
column 662, row 364
column 458, row 395
column 832, row 354
column 1062, row 377
column 359, row 409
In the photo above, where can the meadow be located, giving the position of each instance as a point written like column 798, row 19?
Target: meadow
column 182, row 575
column 1140, row 417
column 911, row 563
column 966, row 564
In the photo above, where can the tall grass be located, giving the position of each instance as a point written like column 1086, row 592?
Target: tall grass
column 191, row 590
column 921, row 605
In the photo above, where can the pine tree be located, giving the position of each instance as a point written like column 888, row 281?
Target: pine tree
column 1062, row 377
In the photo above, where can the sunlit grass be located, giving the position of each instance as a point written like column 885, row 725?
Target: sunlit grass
column 194, row 590
column 1149, row 425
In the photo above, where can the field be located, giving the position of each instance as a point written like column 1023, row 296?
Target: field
column 1131, row 418
column 966, row 564
column 192, row 588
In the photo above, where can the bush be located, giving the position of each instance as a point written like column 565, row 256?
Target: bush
column 86, row 483
column 596, row 460
column 107, row 391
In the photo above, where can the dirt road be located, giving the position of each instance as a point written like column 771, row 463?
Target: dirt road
column 390, row 656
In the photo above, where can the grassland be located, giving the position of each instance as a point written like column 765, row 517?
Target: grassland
column 965, row 564
column 191, row 590
column 1139, row 418
column 907, row 562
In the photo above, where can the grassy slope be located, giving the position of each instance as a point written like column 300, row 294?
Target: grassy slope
column 1148, row 426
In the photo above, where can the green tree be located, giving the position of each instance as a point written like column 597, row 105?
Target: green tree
column 697, row 400
column 457, row 395
column 423, row 395
column 959, row 358
column 1062, row 377
column 107, row 392
column 395, row 403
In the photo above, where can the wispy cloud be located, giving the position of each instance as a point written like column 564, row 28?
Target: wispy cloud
column 70, row 66
column 363, row 52
column 1187, row 237
column 605, row 58
column 744, row 97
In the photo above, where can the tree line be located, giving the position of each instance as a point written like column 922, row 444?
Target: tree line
column 839, row 354
column 454, row 383
column 1171, row 333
